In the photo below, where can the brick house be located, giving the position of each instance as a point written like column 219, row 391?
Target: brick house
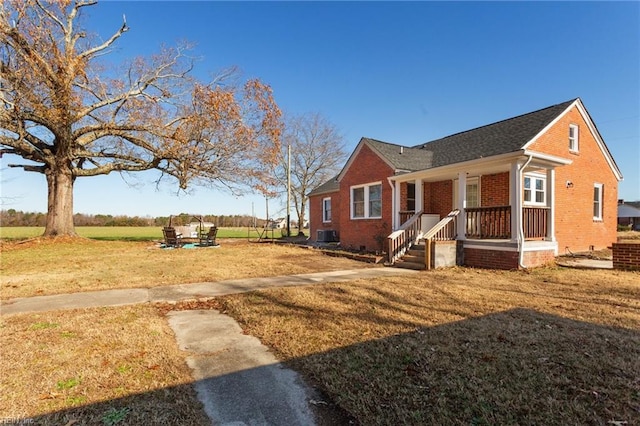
column 515, row 193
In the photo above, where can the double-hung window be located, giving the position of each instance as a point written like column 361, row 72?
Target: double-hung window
column 326, row 209
column 366, row 201
column 598, row 191
column 534, row 190
column 573, row 138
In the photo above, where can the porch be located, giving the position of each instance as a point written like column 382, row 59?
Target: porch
column 487, row 241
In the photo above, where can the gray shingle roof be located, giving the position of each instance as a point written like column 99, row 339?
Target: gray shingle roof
column 331, row 185
column 502, row 137
column 401, row 157
column 625, row 210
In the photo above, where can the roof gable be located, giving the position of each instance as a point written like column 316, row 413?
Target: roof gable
column 331, row 185
column 501, row 137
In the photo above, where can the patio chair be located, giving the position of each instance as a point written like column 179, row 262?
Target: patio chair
column 171, row 237
column 209, row 238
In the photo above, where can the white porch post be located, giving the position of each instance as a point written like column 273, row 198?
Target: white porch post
column 419, row 195
column 396, row 205
column 516, row 200
column 462, row 205
column 551, row 203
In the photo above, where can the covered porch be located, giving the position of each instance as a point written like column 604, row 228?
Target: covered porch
column 503, row 207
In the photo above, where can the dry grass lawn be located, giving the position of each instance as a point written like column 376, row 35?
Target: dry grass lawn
column 94, row 367
column 463, row 346
column 453, row 346
column 45, row 266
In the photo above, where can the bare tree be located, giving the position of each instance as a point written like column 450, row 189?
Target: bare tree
column 317, row 154
column 65, row 110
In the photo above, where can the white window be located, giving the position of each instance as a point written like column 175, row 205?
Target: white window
column 535, row 190
column 366, row 201
column 598, row 191
column 326, row 209
column 573, row 137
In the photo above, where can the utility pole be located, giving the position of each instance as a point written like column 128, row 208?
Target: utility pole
column 289, row 190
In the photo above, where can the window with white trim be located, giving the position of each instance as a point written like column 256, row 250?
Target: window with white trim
column 472, row 191
column 598, row 191
column 366, row 201
column 535, row 190
column 573, row 137
column 326, row 209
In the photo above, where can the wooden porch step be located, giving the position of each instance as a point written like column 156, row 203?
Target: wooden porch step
column 414, row 258
column 409, row 265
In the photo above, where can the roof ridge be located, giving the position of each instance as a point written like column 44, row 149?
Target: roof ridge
column 388, row 143
column 422, row 145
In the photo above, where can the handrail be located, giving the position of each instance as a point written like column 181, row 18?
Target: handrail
column 440, row 225
column 440, row 231
column 399, row 241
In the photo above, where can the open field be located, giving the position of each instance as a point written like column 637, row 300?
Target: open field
column 452, row 346
column 125, row 233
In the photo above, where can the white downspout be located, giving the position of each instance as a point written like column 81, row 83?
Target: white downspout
column 394, row 213
column 520, row 238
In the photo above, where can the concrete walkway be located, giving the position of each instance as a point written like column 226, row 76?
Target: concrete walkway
column 237, row 379
column 175, row 293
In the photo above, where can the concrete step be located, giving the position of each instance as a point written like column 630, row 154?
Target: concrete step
column 416, row 252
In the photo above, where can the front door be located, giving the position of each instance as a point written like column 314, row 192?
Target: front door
column 473, row 193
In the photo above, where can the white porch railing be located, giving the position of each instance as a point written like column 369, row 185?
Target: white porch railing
column 399, row 241
column 442, row 231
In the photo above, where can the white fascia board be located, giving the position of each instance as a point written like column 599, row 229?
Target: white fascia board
column 598, row 137
column 355, row 153
column 551, row 160
column 463, row 166
column 592, row 128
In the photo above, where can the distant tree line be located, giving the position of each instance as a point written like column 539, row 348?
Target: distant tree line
column 12, row 217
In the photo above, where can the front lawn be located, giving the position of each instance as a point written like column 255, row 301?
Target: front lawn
column 452, row 346
column 463, row 346
column 46, row 266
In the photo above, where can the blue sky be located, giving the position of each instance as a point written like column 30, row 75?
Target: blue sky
column 402, row 72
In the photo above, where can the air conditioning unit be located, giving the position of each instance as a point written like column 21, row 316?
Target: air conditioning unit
column 327, row 236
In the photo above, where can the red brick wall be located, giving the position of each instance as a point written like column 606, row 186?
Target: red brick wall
column 490, row 259
column 626, row 256
column 315, row 214
column 575, row 227
column 494, row 190
column 367, row 167
column 532, row 259
column 438, row 197
column 499, row 259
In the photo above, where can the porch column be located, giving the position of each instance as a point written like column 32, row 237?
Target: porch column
column 396, row 205
column 462, row 205
column 551, row 203
column 419, row 195
column 516, row 201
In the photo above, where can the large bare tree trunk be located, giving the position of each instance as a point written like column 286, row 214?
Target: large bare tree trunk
column 60, row 202
column 301, row 212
